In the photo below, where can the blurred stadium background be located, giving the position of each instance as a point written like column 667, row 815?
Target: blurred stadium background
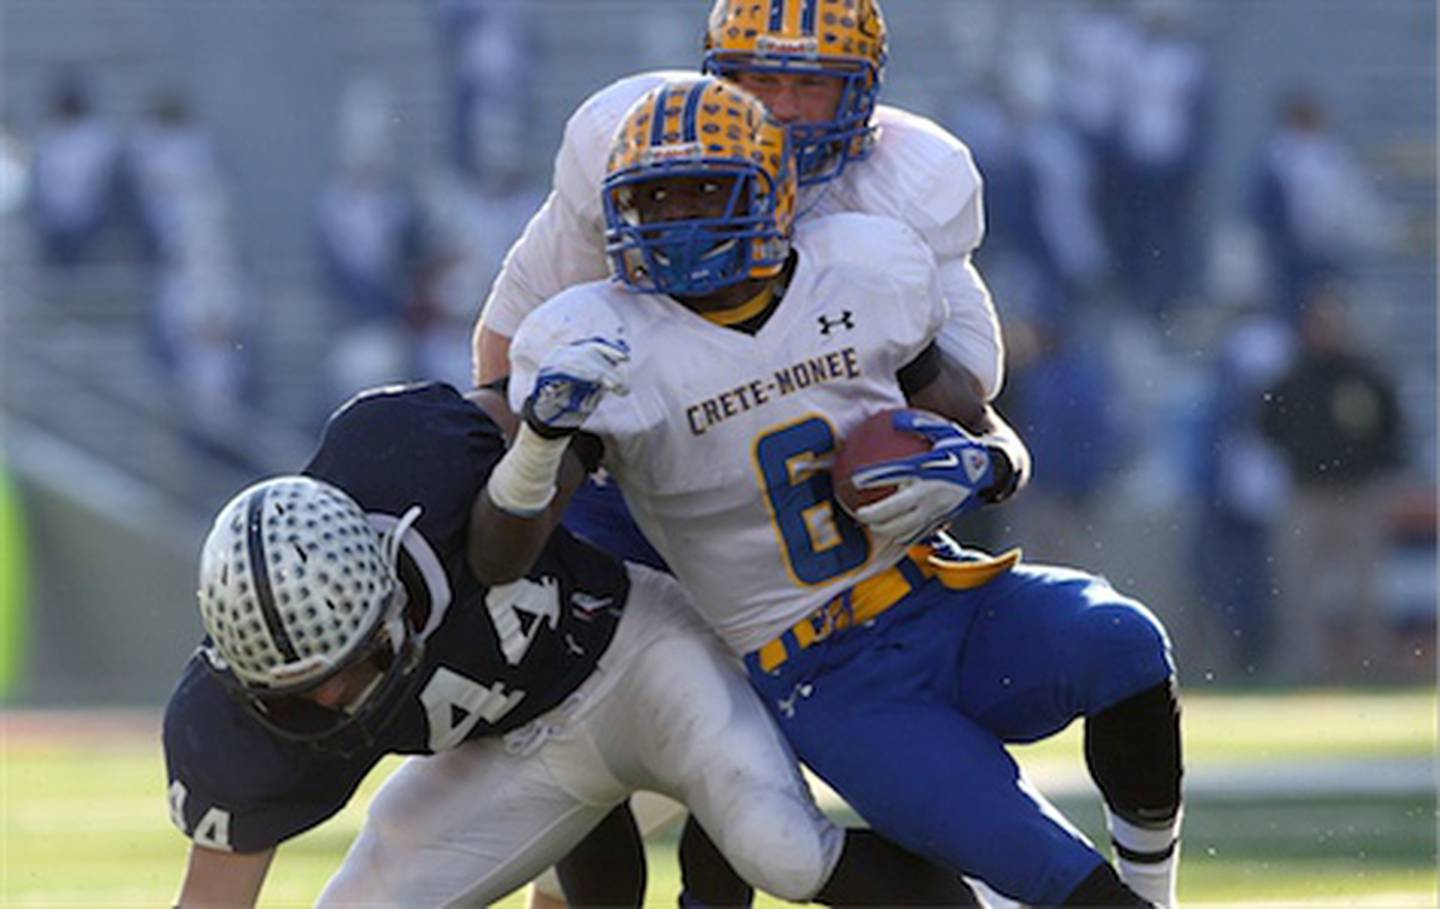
column 218, row 219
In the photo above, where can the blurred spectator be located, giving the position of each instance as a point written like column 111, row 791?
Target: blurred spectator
column 473, row 222
column 489, row 54
column 1242, row 484
column 370, row 244
column 1313, row 204
column 180, row 199
column 73, row 182
column 1062, row 191
column 14, row 188
column 1162, row 123
column 982, row 117
column 1059, row 398
column 984, row 120
column 176, row 188
column 14, row 172
column 1097, row 41
column 1040, row 192
column 200, row 316
column 1334, row 417
column 170, row 162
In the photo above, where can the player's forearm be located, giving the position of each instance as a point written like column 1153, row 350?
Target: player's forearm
column 1012, row 469
column 521, row 505
column 956, row 393
column 526, row 279
column 492, row 354
column 215, row 879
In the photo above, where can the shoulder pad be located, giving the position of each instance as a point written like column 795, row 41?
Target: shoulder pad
column 923, row 175
column 890, row 246
column 574, row 313
column 836, row 237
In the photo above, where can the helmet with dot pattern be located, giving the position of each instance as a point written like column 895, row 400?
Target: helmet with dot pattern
column 298, row 589
column 841, row 39
column 711, row 132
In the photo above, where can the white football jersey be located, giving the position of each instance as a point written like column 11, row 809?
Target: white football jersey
column 918, row 173
column 721, row 444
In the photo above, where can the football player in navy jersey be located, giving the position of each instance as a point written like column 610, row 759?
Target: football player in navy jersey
column 409, row 593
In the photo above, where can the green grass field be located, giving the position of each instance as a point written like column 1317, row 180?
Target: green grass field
column 1303, row 799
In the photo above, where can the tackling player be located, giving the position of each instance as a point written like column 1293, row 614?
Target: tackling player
column 897, row 670
column 406, row 595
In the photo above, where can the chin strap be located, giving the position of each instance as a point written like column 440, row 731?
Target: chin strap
column 394, row 620
column 523, row 483
column 395, row 539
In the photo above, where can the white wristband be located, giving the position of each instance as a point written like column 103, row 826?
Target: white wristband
column 523, row 483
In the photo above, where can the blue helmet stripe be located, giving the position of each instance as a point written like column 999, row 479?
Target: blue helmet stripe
column 255, row 549
column 777, row 16
column 807, row 17
column 657, row 127
column 692, row 107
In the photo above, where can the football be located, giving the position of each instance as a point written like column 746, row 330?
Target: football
column 876, row 439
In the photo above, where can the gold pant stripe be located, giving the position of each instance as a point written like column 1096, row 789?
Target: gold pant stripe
column 968, row 574
column 874, row 595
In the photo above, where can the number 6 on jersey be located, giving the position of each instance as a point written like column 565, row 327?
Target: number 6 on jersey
column 821, row 541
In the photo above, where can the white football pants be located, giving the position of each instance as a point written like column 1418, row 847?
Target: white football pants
column 666, row 710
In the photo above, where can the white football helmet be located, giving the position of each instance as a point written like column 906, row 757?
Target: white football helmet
column 295, row 586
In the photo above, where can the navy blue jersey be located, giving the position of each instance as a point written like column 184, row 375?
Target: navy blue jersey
column 493, row 658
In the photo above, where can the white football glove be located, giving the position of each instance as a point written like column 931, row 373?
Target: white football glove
column 571, row 382
column 935, row 486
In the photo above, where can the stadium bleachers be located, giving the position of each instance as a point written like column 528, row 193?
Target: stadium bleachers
column 265, row 76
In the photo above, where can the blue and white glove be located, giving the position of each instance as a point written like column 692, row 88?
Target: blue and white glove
column 571, row 382
column 935, row 486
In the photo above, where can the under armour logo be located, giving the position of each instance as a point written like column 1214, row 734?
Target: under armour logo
column 787, row 705
column 846, row 320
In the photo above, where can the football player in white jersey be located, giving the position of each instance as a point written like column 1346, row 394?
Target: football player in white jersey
column 818, row 66
column 897, row 670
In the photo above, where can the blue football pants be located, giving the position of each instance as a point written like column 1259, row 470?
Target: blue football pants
column 597, row 513
column 906, row 716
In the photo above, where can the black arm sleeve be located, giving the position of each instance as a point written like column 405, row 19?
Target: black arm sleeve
column 921, row 371
column 500, row 386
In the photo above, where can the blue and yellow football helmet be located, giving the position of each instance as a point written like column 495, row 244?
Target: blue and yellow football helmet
column 841, row 38
column 704, row 128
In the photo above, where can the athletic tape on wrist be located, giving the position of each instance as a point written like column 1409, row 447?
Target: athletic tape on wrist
column 523, row 483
